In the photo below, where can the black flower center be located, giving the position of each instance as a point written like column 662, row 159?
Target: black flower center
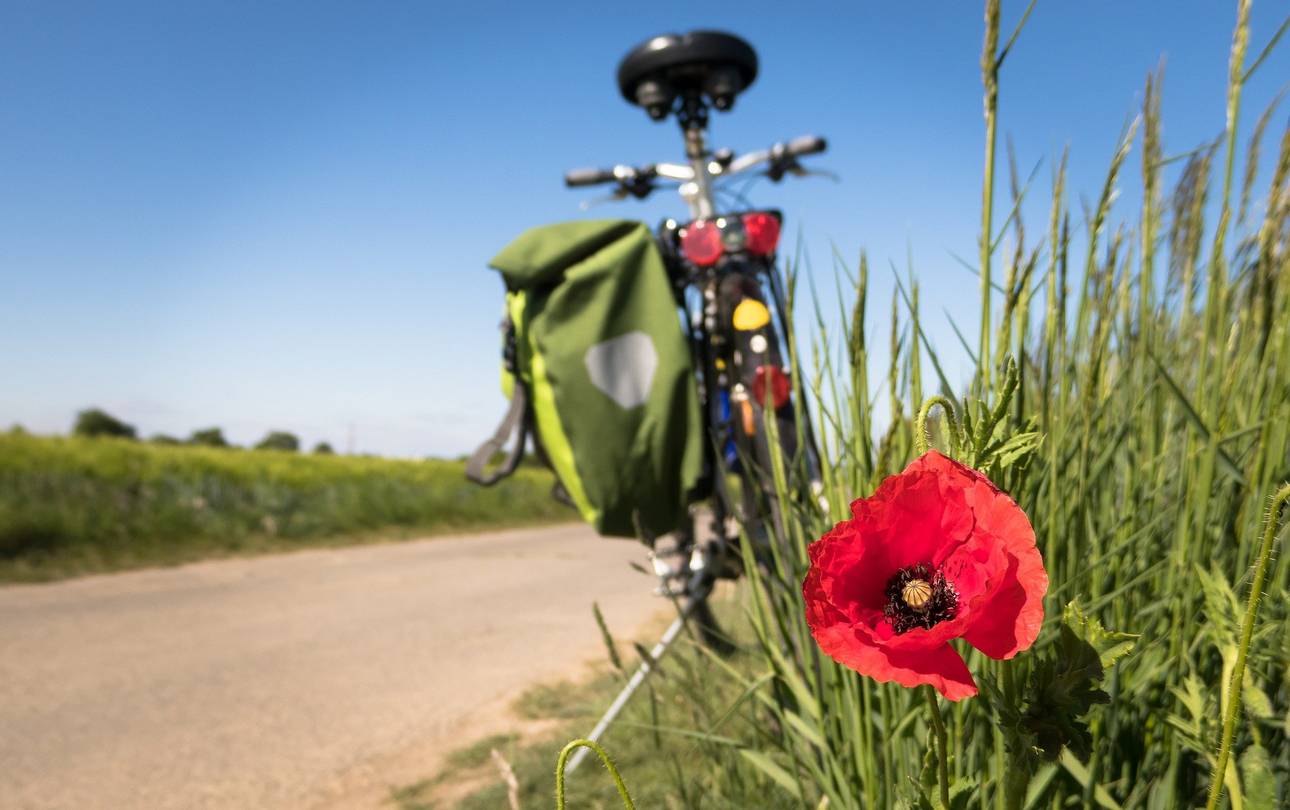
column 917, row 596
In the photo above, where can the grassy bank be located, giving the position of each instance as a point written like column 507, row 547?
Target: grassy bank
column 70, row 506
column 1131, row 393
column 677, row 743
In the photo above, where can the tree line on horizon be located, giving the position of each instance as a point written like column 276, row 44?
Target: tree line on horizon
column 96, row 422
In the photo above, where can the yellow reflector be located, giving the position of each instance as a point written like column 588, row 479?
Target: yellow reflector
column 750, row 421
column 751, row 314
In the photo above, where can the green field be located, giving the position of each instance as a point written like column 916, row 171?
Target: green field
column 73, row 505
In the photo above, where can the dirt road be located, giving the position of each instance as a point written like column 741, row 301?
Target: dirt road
column 314, row 679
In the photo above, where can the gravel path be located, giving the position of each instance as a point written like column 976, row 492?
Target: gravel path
column 313, row 679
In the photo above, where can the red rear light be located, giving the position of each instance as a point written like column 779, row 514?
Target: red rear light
column 763, row 232
column 774, row 379
column 701, row 243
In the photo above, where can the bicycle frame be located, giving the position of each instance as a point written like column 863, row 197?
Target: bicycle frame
column 738, row 359
column 729, row 369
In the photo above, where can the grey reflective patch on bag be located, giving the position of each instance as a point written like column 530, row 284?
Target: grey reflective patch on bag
column 623, row 368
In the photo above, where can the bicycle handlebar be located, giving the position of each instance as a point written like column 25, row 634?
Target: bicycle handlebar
column 588, row 177
column 806, row 145
column 776, row 156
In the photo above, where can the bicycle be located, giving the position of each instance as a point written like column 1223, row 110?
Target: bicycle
column 718, row 261
column 722, row 264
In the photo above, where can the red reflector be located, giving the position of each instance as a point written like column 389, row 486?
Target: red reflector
column 778, row 383
column 701, row 243
column 763, row 232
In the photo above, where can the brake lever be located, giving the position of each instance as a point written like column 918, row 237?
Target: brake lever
column 614, row 196
column 638, row 187
column 799, row 171
column 791, row 165
column 782, row 165
column 639, row 183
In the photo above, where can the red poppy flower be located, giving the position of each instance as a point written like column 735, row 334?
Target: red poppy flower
column 937, row 553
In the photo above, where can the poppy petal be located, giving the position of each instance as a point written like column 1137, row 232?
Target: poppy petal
column 914, row 517
column 939, row 667
column 1010, row 622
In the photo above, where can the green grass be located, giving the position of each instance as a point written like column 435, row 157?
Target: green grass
column 666, row 764
column 1139, row 361
column 476, row 754
column 1145, row 381
column 73, row 505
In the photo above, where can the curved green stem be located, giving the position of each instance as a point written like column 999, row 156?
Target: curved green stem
column 1247, row 632
column 609, row 766
column 1016, row 777
column 942, row 754
column 922, row 442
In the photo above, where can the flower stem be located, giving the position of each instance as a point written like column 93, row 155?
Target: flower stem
column 922, row 442
column 1016, row 777
column 1247, row 632
column 609, row 766
column 942, row 755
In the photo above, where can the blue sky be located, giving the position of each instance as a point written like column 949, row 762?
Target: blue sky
column 278, row 215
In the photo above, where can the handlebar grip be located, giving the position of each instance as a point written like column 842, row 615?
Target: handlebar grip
column 588, row 177
column 806, row 145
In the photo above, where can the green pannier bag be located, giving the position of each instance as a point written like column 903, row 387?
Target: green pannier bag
column 598, row 368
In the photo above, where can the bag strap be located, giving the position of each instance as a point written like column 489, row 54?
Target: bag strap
column 514, row 423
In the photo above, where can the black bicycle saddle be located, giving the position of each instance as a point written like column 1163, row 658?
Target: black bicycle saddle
column 701, row 63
